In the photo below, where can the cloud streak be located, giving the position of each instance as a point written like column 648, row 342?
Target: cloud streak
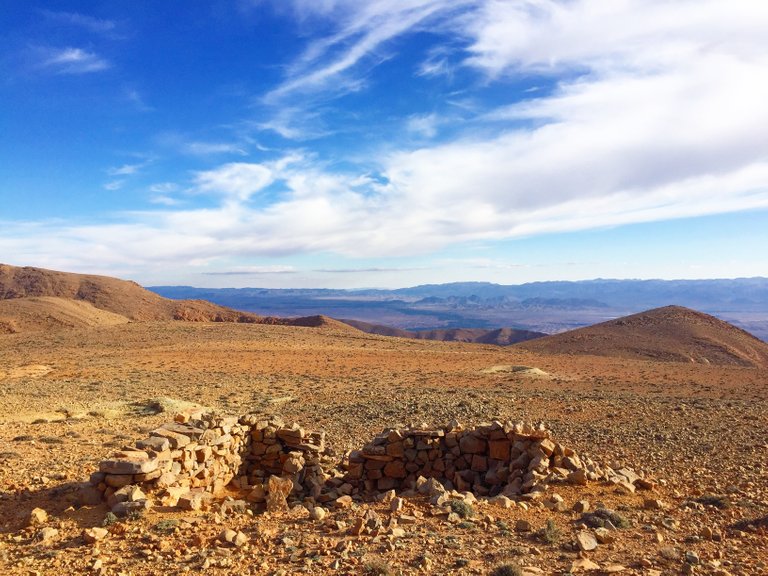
column 71, row 61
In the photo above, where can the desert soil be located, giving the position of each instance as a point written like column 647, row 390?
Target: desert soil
column 69, row 398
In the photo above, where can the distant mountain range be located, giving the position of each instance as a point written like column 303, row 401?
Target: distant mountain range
column 34, row 300
column 548, row 307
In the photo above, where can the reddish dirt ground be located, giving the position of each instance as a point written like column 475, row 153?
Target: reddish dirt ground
column 68, row 398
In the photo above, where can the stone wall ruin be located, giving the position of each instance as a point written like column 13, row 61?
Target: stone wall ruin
column 486, row 460
column 200, row 456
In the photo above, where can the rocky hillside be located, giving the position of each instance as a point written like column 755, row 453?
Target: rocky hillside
column 34, row 299
column 671, row 333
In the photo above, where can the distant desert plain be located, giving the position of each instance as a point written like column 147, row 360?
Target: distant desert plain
column 653, row 445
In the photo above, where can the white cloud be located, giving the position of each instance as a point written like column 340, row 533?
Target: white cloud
column 71, row 61
column 164, row 187
column 424, row 125
column 126, row 169
column 114, row 185
column 658, row 112
column 185, row 145
column 238, row 180
column 362, row 33
column 212, row 148
column 164, row 200
column 137, row 100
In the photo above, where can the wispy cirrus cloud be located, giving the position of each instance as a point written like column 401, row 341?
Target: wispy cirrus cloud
column 126, row 169
column 364, row 28
column 90, row 23
column 70, row 60
column 191, row 146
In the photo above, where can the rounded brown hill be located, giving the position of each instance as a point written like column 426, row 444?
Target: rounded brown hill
column 671, row 334
column 123, row 297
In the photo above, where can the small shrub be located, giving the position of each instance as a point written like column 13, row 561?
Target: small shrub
column 751, row 523
column 377, row 567
column 109, row 519
column 462, row 508
column 507, row 570
column 551, row 533
column 466, row 525
column 166, row 526
column 51, row 440
column 135, row 515
column 600, row 517
column 721, row 502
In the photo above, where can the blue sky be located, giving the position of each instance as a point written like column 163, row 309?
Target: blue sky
column 341, row 143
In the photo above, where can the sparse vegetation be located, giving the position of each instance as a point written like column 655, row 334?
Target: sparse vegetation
column 551, row 533
column 167, row 525
column 507, row 570
column 462, row 508
column 718, row 501
column 372, row 384
column 109, row 519
column 377, row 567
column 51, row 440
column 23, row 438
column 602, row 516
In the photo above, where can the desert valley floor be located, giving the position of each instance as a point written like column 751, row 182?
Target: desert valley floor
column 68, row 398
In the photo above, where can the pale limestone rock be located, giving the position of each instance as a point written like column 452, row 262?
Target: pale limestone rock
column 586, row 541
column 37, row 517
column 278, row 490
column 95, row 534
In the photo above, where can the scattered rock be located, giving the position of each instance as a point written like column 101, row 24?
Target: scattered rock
column 581, row 506
column 523, row 526
column 47, row 534
column 584, row 565
column 586, row 541
column 37, row 517
column 95, row 534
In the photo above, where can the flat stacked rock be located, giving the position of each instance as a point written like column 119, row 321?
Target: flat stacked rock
column 286, row 452
column 489, row 459
column 187, row 462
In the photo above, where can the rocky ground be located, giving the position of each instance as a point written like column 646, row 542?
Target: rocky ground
column 69, row 398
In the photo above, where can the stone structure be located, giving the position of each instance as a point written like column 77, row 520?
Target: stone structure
column 203, row 455
column 486, row 460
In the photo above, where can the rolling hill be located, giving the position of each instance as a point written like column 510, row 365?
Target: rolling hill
column 671, row 333
column 34, row 299
column 499, row 336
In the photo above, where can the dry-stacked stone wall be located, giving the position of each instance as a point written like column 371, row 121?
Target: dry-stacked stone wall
column 487, row 460
column 200, row 455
